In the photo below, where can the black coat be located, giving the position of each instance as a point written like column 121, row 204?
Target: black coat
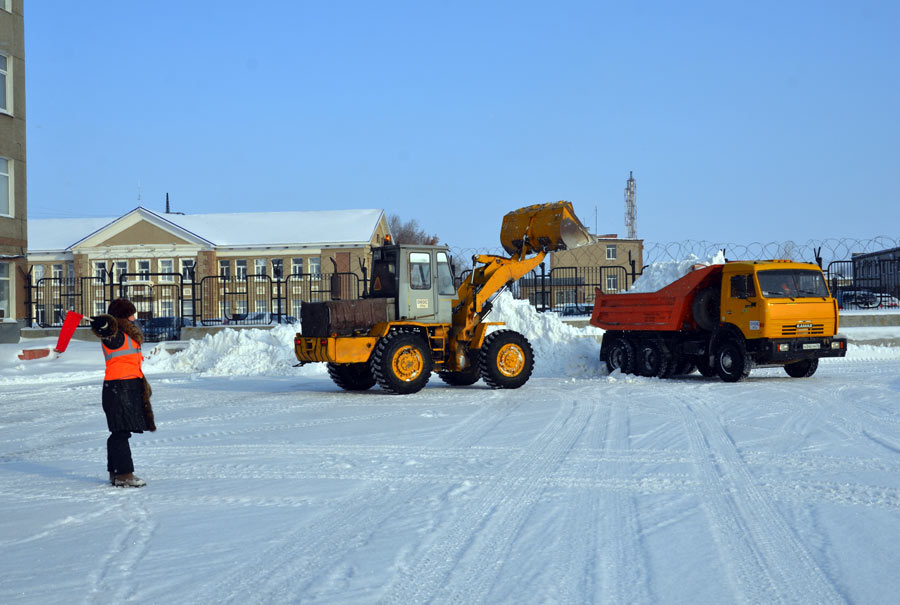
column 123, row 403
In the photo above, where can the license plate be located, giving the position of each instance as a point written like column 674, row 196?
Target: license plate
column 811, row 345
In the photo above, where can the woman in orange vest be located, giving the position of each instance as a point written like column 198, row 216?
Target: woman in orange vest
column 126, row 393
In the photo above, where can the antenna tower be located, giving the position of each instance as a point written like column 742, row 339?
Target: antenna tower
column 630, row 220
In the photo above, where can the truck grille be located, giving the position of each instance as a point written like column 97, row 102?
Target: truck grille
column 803, row 329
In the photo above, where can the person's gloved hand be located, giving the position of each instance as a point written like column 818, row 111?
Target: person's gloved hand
column 101, row 326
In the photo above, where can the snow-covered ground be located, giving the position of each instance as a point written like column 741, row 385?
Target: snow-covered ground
column 267, row 484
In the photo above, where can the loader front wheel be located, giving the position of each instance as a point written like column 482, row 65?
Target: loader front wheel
column 507, row 360
column 401, row 363
column 351, row 376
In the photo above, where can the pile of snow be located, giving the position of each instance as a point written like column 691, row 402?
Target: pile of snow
column 559, row 348
column 237, row 353
column 659, row 275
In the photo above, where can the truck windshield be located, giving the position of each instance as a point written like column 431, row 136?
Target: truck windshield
column 792, row 283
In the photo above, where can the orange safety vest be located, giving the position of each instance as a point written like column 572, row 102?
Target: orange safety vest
column 124, row 362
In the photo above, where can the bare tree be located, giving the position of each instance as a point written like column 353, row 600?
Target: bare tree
column 409, row 232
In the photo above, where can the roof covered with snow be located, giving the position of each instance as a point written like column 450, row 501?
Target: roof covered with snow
column 314, row 227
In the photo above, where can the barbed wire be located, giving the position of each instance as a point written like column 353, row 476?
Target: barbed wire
column 829, row 250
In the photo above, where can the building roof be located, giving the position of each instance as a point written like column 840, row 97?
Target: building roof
column 251, row 229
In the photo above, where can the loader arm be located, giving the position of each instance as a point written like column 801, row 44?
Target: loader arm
column 538, row 230
column 485, row 281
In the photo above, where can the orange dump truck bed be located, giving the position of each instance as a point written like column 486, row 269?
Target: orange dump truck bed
column 668, row 309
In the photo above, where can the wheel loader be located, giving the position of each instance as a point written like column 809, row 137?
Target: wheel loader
column 412, row 321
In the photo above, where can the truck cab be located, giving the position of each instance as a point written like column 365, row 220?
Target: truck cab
column 777, row 299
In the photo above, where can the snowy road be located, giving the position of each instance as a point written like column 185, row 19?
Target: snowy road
column 569, row 490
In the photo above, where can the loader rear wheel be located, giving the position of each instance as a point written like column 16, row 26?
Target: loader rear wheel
column 401, row 363
column 507, row 360
column 802, row 369
column 351, row 376
column 620, row 356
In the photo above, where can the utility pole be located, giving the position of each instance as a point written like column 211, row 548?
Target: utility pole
column 630, row 218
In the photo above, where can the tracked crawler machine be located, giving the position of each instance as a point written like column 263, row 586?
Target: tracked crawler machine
column 723, row 319
column 413, row 321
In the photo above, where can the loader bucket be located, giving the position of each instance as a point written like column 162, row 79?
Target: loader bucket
column 543, row 228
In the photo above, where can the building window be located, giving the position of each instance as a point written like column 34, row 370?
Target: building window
column 277, row 268
column 610, row 252
column 167, row 268
column 56, row 271
column 6, row 5
column 37, row 273
column 315, row 266
column 167, row 308
column 187, row 268
column 6, row 192
column 260, row 266
column 100, row 272
column 6, row 80
column 143, row 269
column 612, row 282
column 5, row 291
column 296, row 266
column 224, row 269
column 240, row 269
column 120, row 268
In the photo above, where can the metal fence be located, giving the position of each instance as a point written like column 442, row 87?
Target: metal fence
column 166, row 302
column 865, row 283
column 248, row 300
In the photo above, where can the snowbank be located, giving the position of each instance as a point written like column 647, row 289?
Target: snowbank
column 661, row 274
column 559, row 348
column 237, row 353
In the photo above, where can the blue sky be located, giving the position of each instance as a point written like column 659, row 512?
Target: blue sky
column 742, row 121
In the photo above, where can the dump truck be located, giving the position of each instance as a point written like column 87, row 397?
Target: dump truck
column 725, row 320
column 413, row 321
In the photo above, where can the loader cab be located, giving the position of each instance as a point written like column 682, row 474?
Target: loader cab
column 418, row 278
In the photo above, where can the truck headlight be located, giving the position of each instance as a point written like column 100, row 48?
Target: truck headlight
column 784, row 347
column 836, row 344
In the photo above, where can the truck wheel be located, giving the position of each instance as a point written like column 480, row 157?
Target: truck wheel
column 651, row 360
column 401, row 363
column 507, row 360
column 802, row 369
column 705, row 308
column 465, row 378
column 351, row 376
column 732, row 361
column 620, row 356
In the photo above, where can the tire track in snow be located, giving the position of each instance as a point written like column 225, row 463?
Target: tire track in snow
column 767, row 561
column 468, row 553
column 292, row 566
column 623, row 563
column 114, row 581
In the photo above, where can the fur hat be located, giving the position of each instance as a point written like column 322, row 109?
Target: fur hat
column 121, row 308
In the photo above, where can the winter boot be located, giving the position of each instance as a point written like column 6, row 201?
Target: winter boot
column 129, row 480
